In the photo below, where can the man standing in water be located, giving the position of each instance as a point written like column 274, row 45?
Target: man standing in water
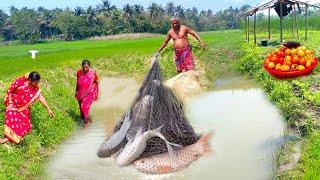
column 183, row 55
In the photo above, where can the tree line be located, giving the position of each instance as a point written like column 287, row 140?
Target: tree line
column 31, row 26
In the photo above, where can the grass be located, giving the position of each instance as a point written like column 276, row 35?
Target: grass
column 298, row 99
column 126, row 36
column 57, row 62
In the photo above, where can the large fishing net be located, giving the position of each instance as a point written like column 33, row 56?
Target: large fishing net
column 155, row 106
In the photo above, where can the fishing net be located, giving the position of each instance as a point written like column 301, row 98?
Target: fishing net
column 155, row 106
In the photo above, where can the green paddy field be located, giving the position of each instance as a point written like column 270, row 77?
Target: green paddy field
column 58, row 61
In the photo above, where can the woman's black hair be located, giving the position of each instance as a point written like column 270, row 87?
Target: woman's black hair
column 34, row 76
column 84, row 62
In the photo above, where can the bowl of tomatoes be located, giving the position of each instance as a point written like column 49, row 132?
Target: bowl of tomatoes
column 285, row 62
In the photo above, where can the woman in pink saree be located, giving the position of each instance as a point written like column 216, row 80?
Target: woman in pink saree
column 87, row 90
column 22, row 93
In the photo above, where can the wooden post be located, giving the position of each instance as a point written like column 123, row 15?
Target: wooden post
column 269, row 22
column 292, row 25
column 281, row 25
column 248, row 28
column 306, row 32
column 254, row 27
column 296, row 19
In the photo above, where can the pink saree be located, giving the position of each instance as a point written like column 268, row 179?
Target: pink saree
column 87, row 92
column 17, row 118
column 184, row 59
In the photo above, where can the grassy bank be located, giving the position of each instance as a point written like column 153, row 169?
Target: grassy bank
column 299, row 101
column 57, row 62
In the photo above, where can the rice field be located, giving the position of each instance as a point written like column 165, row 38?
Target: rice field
column 58, row 61
column 226, row 51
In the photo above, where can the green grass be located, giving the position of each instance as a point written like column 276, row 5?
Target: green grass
column 57, row 62
column 226, row 51
column 298, row 99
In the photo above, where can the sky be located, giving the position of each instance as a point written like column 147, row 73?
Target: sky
column 214, row 5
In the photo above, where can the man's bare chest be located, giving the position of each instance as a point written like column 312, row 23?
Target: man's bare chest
column 179, row 35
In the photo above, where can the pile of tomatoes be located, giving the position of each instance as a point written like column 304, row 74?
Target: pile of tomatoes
column 287, row 60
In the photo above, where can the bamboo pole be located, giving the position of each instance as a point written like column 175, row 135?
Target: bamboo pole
column 296, row 20
column 292, row 25
column 306, row 21
column 281, row 22
column 248, row 28
column 254, row 28
column 269, row 22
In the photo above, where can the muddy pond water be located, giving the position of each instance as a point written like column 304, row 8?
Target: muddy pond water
column 246, row 127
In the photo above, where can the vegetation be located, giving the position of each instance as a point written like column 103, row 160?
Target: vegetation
column 29, row 25
column 57, row 63
column 298, row 99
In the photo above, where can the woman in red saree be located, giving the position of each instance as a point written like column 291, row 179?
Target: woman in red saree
column 87, row 90
column 22, row 93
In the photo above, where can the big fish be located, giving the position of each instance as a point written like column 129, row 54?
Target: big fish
column 140, row 112
column 136, row 147
column 117, row 140
column 166, row 163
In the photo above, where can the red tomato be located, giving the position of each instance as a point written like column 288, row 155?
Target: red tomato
column 280, row 60
column 288, row 52
column 273, row 59
column 302, row 61
column 283, row 49
column 280, row 54
column 295, row 59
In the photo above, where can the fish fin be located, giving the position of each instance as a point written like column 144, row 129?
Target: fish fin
column 172, row 155
column 173, row 144
column 170, row 147
column 205, row 142
column 170, row 151
column 159, row 128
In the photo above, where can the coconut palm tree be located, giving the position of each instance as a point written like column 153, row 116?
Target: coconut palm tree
column 79, row 11
column 127, row 11
column 155, row 11
column 180, row 12
column 170, row 9
column 106, row 6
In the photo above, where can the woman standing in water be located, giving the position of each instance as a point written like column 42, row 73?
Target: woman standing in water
column 20, row 96
column 87, row 90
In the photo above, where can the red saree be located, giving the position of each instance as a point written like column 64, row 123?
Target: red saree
column 87, row 91
column 17, row 118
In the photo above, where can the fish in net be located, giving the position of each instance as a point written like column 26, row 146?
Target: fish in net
column 155, row 106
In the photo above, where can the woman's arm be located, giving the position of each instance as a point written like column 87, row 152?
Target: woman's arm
column 96, row 79
column 11, row 89
column 44, row 102
column 75, row 94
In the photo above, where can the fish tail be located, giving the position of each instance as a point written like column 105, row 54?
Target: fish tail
column 204, row 142
column 159, row 128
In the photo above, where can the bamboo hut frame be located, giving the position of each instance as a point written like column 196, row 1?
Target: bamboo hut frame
column 269, row 5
